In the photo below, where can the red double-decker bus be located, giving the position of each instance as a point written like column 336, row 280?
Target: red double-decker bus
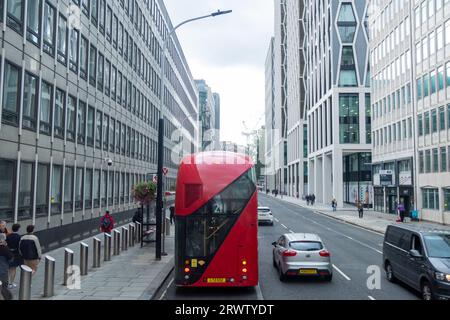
column 216, row 221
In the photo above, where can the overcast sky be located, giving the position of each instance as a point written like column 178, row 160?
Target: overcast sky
column 229, row 53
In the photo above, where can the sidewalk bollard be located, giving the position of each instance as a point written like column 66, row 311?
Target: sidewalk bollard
column 116, row 240
column 84, row 258
column 138, row 231
column 68, row 262
column 167, row 227
column 25, row 282
column 107, row 248
column 124, row 239
column 132, row 234
column 49, row 280
column 97, row 248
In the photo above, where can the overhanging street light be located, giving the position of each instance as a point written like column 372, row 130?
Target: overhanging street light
column 159, row 188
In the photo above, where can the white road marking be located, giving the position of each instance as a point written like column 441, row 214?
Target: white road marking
column 371, row 298
column 349, row 237
column 165, row 291
column 291, row 231
column 343, row 274
column 284, row 226
column 277, row 220
column 259, row 294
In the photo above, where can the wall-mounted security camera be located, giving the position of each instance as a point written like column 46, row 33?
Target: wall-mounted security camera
column 109, row 161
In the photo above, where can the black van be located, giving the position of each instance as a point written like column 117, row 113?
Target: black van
column 419, row 257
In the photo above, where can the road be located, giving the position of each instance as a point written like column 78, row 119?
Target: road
column 353, row 250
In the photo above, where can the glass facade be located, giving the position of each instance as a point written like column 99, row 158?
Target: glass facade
column 349, row 118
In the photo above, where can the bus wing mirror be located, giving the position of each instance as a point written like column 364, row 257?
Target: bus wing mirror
column 274, row 243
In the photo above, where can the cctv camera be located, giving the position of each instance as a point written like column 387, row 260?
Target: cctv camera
column 109, row 161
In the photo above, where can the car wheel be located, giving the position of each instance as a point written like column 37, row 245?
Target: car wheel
column 274, row 263
column 281, row 275
column 271, row 223
column 390, row 273
column 328, row 278
column 427, row 293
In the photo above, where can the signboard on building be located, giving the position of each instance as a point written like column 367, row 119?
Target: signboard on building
column 405, row 178
column 386, row 177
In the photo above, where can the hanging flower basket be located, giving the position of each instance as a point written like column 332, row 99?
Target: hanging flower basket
column 144, row 192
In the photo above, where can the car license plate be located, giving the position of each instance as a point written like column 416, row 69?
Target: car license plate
column 308, row 271
column 216, row 280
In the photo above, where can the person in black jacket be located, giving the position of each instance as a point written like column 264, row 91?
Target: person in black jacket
column 13, row 240
column 30, row 249
column 5, row 258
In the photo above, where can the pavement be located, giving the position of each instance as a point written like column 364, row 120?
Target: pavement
column 134, row 274
column 372, row 220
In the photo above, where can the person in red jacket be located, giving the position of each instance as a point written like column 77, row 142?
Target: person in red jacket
column 106, row 223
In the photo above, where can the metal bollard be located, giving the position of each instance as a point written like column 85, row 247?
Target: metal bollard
column 124, row 239
column 49, row 280
column 132, row 234
column 116, row 240
column 138, row 231
column 107, row 248
column 84, row 258
column 97, row 249
column 167, row 227
column 25, row 282
column 68, row 262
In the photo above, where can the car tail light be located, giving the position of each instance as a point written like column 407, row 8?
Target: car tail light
column 289, row 253
column 324, row 253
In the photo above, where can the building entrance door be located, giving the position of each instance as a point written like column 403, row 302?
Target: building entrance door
column 392, row 204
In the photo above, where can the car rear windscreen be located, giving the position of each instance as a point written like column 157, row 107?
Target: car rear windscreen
column 306, row 245
column 263, row 210
column 438, row 246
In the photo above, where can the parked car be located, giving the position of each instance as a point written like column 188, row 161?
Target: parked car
column 265, row 216
column 302, row 254
column 419, row 257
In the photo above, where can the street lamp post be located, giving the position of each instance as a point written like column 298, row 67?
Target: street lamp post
column 159, row 190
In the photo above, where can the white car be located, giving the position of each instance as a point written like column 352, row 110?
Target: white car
column 265, row 216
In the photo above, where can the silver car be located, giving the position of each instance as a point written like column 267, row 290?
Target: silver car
column 302, row 254
column 265, row 215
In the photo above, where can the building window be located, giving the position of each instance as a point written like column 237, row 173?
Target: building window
column 100, row 78
column 85, row 7
column 30, row 101
column 446, row 199
column 68, row 189
column 430, row 198
column 118, row 128
column 421, row 162
column 419, row 88
column 94, row 11
column 112, row 128
column 98, row 132
column 441, row 118
column 113, row 83
column 105, row 131
column 104, row 187
column 96, row 188
column 107, row 77
column 88, row 189
column 83, row 57
column 441, row 78
column 443, row 159
column 49, row 29
column 71, row 107
column 349, row 118
column 427, row 123
column 73, row 52
column 55, row 195
column 93, row 65
column 46, row 108
column 347, row 23
column 435, row 160
column 7, row 183
column 79, row 188
column 90, row 127
column 426, row 84
column 60, row 103
column 11, row 91
column 427, row 161
column 101, row 16
column 42, row 191
column 33, row 18
column 14, row 9
column 62, row 40
column 81, row 122
column 434, row 125
column 420, row 124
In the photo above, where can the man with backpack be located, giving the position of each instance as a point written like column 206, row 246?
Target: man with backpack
column 106, row 223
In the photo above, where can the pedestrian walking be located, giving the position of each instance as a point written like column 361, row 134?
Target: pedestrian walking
column 172, row 214
column 334, row 204
column 360, row 210
column 5, row 258
column 401, row 211
column 30, row 249
column 313, row 199
column 106, row 223
column 13, row 241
